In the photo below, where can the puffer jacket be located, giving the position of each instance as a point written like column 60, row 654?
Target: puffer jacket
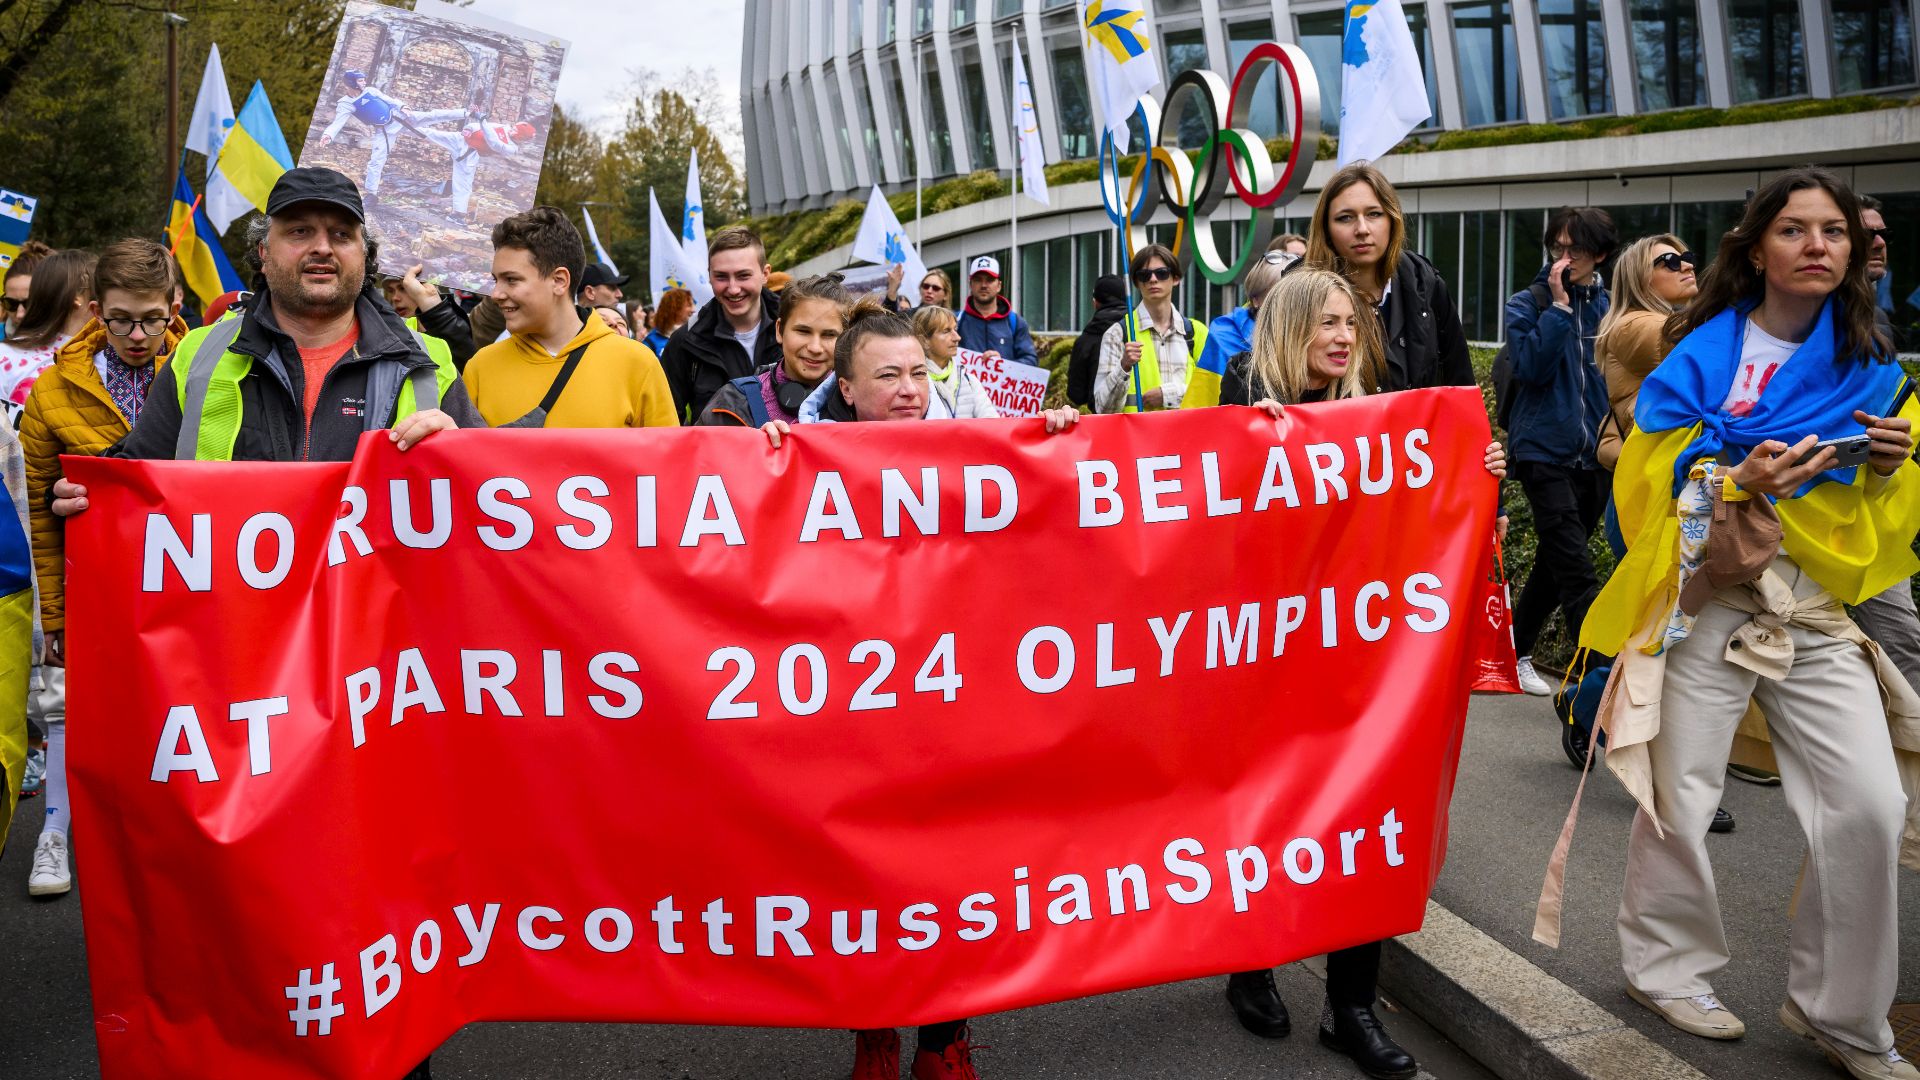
column 964, row 397
column 1000, row 330
column 704, row 356
column 1559, row 396
column 70, row 412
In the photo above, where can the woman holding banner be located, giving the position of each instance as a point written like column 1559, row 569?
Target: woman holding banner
column 1312, row 342
column 1780, row 386
column 939, row 334
column 880, row 373
column 812, row 317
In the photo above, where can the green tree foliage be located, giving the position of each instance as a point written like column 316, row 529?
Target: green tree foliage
column 666, row 123
column 572, row 172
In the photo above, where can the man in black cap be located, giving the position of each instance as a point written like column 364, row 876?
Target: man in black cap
column 601, row 287
column 1109, row 307
column 316, row 360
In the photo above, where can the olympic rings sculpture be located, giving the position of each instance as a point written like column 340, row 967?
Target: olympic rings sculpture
column 1231, row 154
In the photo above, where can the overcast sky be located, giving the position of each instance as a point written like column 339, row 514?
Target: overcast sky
column 607, row 42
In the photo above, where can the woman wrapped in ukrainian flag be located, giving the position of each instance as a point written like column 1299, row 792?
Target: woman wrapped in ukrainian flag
column 1778, row 354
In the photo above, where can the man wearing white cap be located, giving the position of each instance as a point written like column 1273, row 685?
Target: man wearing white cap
column 988, row 323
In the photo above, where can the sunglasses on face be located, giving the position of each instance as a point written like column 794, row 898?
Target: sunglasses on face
column 1672, row 260
column 1158, row 273
column 1880, row 233
column 11, row 304
column 933, row 287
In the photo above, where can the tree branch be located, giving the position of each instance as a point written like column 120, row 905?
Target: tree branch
column 16, row 62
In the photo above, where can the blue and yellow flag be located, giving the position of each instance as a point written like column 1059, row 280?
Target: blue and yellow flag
column 16, row 223
column 16, row 624
column 197, row 246
column 252, row 158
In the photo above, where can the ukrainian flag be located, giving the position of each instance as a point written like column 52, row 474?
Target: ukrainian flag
column 252, row 158
column 197, row 246
column 16, row 624
column 16, row 222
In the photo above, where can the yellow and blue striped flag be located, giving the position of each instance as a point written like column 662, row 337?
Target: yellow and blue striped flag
column 16, row 623
column 252, row 158
column 197, row 246
column 16, row 222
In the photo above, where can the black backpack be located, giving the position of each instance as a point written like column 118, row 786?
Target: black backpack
column 1503, row 362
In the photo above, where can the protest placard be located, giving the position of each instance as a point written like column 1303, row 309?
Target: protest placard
column 1224, row 738
column 441, row 115
column 1016, row 389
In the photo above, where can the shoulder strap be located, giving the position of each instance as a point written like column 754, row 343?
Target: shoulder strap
column 749, row 387
column 195, row 378
column 560, row 381
column 1542, row 296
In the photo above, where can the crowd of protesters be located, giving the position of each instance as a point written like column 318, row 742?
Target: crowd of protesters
column 1642, row 388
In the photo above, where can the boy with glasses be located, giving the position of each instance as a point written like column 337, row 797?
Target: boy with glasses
column 1146, row 359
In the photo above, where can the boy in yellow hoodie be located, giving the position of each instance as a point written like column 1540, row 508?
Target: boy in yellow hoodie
column 84, row 403
column 561, row 366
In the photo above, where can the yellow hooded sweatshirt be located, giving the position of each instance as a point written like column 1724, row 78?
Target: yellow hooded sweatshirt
column 619, row 382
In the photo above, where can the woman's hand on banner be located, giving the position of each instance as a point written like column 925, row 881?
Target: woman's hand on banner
column 1497, row 460
column 1273, row 409
column 775, row 430
column 56, row 649
column 1500, row 528
column 69, row 498
column 1061, row 419
column 413, row 429
column 1890, row 441
column 1771, row 468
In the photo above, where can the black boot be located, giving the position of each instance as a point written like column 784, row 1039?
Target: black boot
column 1356, row 1032
column 1256, row 1002
column 1722, row 821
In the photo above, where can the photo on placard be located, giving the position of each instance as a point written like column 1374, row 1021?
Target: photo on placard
column 442, row 117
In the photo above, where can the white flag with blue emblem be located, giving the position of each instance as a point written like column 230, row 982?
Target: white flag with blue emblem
column 593, row 237
column 1033, row 157
column 667, row 264
column 882, row 240
column 693, row 233
column 212, row 111
column 1383, row 92
column 1121, row 64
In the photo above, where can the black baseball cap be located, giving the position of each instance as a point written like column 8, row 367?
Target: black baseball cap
column 602, row 274
column 315, row 185
column 1110, row 287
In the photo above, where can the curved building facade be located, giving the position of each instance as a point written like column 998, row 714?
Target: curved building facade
column 839, row 95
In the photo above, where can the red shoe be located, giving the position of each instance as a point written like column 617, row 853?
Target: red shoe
column 876, row 1054
column 955, row 1063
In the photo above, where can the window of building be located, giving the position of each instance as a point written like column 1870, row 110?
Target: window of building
column 1032, row 303
column 1489, row 59
column 1440, row 243
column 1671, row 69
column 963, row 12
column 855, row 27
column 1004, row 8
column 1524, row 254
column 1573, row 44
column 1187, row 50
column 1702, row 224
column 886, row 21
column 814, row 127
column 979, row 119
column 1071, row 98
column 1049, row 5
column 1481, row 294
column 922, row 17
column 1768, row 58
column 1093, row 257
column 1630, row 223
column 902, row 128
column 1242, row 38
column 939, row 132
column 868, row 136
column 1175, row 7
column 1060, row 285
column 1872, row 45
column 1423, row 41
column 842, row 137
column 1321, row 35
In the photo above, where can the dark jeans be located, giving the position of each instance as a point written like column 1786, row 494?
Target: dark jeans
column 1567, row 504
column 1351, row 974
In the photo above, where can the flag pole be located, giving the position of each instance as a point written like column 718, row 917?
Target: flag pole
column 191, row 210
column 1013, row 193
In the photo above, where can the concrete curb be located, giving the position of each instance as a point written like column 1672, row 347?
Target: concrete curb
column 1514, row 1018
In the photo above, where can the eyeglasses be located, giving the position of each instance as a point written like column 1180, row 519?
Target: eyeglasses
column 153, row 327
column 1671, row 260
column 932, row 286
column 1568, row 251
column 1158, row 273
column 1278, row 258
column 1880, row 233
column 12, row 303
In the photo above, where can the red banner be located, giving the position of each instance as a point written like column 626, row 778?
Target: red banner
column 896, row 724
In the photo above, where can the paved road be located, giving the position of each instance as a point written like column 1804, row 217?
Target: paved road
column 1514, row 789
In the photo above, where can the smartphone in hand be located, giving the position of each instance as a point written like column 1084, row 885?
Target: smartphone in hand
column 1849, row 452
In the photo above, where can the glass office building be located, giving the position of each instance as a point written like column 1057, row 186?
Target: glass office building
column 840, row 95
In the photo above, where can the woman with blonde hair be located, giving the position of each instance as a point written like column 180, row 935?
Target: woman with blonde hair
column 1314, row 341
column 1652, row 279
column 939, row 333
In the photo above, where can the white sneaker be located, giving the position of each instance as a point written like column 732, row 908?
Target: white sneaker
column 52, row 875
column 1855, row 1062
column 1530, row 680
column 1701, row 1015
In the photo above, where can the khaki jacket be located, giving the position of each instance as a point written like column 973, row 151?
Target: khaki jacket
column 1629, row 351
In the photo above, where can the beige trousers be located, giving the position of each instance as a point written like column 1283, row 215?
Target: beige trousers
column 1837, row 769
